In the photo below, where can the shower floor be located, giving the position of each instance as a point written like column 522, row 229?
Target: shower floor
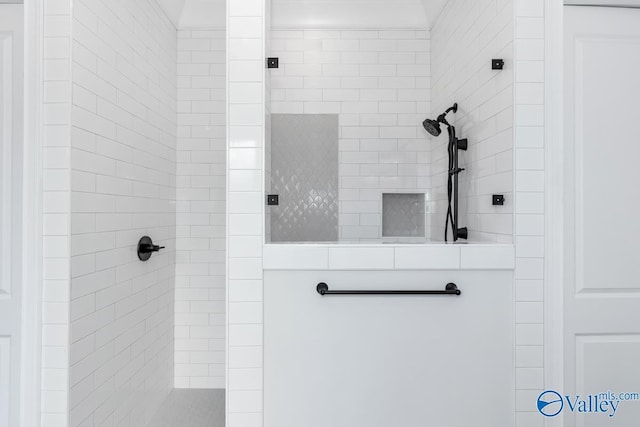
column 191, row 408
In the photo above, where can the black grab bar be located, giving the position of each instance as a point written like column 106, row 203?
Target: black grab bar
column 450, row 289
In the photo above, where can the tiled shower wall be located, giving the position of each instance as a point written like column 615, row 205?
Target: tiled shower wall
column 247, row 24
column 466, row 36
column 123, row 162
column 56, row 213
column 110, row 161
column 378, row 82
column 200, row 243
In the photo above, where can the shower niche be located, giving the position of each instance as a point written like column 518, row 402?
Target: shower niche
column 403, row 216
column 353, row 148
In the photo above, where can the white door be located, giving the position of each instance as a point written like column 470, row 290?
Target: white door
column 602, row 225
column 11, row 102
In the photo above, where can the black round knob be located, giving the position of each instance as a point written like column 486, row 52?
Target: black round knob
column 146, row 248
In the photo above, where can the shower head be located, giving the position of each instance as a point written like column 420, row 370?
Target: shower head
column 433, row 126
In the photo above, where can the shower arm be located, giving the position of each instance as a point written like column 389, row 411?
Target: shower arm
column 442, row 118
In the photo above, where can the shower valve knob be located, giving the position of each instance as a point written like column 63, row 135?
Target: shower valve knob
column 462, row 233
column 146, row 248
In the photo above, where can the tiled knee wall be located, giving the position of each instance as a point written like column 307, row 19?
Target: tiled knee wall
column 378, row 82
column 200, row 235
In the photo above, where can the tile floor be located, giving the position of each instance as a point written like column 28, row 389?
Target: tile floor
column 191, row 408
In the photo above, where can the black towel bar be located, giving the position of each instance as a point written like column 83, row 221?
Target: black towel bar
column 450, row 289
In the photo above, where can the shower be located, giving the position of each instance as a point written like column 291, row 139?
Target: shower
column 455, row 144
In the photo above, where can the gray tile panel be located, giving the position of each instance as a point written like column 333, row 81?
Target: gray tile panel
column 304, row 173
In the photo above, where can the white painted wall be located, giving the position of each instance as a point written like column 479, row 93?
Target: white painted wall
column 464, row 40
column 12, row 141
column 388, row 360
column 200, row 219
column 378, row 82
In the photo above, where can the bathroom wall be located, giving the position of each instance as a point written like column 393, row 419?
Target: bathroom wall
column 466, row 36
column 355, row 339
column 268, row 40
column 200, row 219
column 245, row 293
column 56, row 213
column 248, row 22
column 363, row 14
column 529, row 208
column 378, row 82
column 123, row 186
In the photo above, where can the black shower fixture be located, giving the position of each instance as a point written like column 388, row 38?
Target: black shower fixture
column 146, row 248
column 497, row 64
column 433, row 126
column 455, row 144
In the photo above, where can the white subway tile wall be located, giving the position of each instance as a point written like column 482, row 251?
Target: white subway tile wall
column 529, row 208
column 378, row 82
column 247, row 22
column 119, row 162
column 123, row 186
column 200, row 236
column 529, row 217
column 56, row 213
column 465, row 38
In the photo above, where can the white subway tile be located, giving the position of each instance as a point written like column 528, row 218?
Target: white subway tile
column 278, row 257
column 361, row 258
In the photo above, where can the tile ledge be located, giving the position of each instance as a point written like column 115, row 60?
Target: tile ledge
column 485, row 257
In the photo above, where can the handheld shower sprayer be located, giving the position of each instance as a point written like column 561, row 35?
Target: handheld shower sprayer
column 455, row 144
